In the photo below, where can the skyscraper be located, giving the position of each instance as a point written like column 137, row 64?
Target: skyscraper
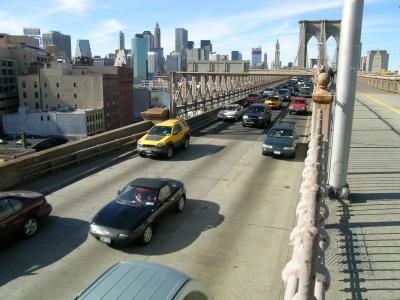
column 277, row 62
column 256, row 56
column 236, row 55
column 377, row 60
column 121, row 40
column 265, row 61
column 61, row 41
column 139, row 58
column 181, row 39
column 157, row 37
column 150, row 40
column 190, row 45
column 207, row 47
column 83, row 49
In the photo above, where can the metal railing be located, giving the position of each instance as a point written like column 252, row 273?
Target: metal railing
column 388, row 83
column 305, row 275
column 193, row 93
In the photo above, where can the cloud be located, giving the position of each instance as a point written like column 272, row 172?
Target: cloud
column 71, row 6
column 104, row 37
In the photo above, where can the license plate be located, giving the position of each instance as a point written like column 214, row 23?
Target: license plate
column 105, row 239
column 277, row 152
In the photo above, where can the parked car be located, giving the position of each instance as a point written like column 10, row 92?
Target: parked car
column 269, row 91
column 49, row 143
column 281, row 140
column 138, row 207
column 164, row 138
column 257, row 115
column 284, row 94
column 230, row 112
column 252, row 99
column 137, row 280
column 21, row 213
column 298, row 105
column 274, row 102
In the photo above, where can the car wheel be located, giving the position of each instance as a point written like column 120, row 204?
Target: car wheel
column 147, row 235
column 170, row 151
column 186, row 143
column 142, row 155
column 181, row 204
column 31, row 226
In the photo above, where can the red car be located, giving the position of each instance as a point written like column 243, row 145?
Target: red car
column 253, row 99
column 20, row 213
column 298, row 105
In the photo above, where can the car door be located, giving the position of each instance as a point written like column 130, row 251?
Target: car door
column 178, row 135
column 166, row 202
column 11, row 219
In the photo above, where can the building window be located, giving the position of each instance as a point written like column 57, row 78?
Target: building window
column 57, row 84
column 58, row 106
column 24, row 95
column 75, row 96
column 25, row 103
column 35, row 84
column 10, row 72
column 74, row 84
column 36, row 95
column 45, row 84
column 37, row 104
column 23, row 84
column 4, row 71
column 41, row 118
column 48, row 118
column 58, row 95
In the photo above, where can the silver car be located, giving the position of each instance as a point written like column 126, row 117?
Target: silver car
column 230, row 112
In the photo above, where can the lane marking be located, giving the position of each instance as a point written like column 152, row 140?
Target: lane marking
column 396, row 110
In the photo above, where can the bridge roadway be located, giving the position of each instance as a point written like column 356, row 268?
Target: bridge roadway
column 233, row 235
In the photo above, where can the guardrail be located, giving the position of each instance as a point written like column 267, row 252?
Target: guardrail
column 193, row 93
column 391, row 83
column 305, row 275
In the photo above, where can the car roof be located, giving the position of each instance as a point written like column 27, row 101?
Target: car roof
column 283, row 125
column 258, row 105
column 153, row 183
column 136, row 280
column 170, row 122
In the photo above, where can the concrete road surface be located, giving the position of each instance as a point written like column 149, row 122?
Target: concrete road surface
column 233, row 235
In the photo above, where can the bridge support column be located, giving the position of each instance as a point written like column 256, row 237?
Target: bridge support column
column 349, row 53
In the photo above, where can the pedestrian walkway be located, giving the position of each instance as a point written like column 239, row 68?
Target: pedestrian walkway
column 364, row 255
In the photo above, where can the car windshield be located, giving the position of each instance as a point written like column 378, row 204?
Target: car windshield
column 137, row 196
column 273, row 98
column 231, row 107
column 160, row 130
column 298, row 102
column 283, row 91
column 281, row 133
column 255, row 109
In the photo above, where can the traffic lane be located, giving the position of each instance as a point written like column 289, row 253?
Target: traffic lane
column 85, row 197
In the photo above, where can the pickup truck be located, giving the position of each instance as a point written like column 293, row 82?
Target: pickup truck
column 298, row 105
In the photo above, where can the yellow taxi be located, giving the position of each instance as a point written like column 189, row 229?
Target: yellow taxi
column 274, row 102
column 164, row 138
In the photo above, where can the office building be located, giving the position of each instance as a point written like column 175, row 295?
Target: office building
column 277, row 61
column 256, row 56
column 19, row 54
column 122, row 58
column 61, row 41
column 83, row 49
column 173, row 62
column 139, row 58
column 236, row 55
column 152, row 61
column 228, row 66
column 207, row 47
column 157, row 37
column 34, row 33
column 217, row 57
column 190, row 45
column 102, row 61
column 150, row 40
column 181, row 39
column 66, row 87
column 194, row 54
column 265, row 61
column 376, row 61
column 121, row 40
column 159, row 50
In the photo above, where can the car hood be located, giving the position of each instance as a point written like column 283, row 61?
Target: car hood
column 154, row 138
column 124, row 217
column 278, row 141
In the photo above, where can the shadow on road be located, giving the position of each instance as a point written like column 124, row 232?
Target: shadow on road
column 178, row 231
column 194, row 152
column 56, row 238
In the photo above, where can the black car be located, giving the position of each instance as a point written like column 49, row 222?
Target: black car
column 137, row 209
column 281, row 140
column 284, row 93
column 49, row 143
column 257, row 115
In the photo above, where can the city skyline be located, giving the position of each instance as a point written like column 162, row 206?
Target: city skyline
column 237, row 27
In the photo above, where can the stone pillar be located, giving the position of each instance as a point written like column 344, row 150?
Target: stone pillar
column 301, row 56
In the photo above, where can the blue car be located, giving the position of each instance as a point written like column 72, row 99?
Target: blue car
column 281, row 140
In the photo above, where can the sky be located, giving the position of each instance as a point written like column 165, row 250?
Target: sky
column 230, row 25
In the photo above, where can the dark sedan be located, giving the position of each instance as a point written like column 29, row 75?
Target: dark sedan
column 137, row 209
column 281, row 140
column 20, row 214
column 284, row 94
column 257, row 115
